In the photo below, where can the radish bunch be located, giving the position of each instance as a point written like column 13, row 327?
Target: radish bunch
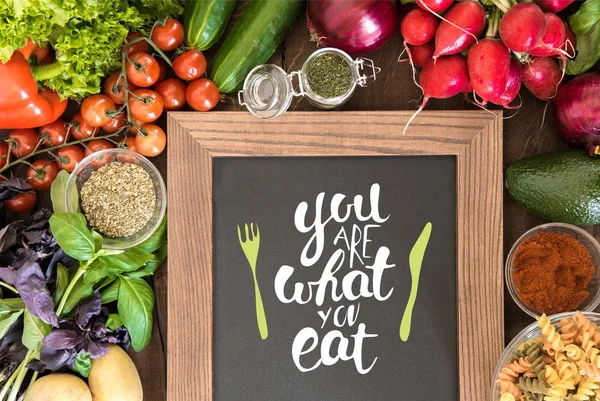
column 523, row 44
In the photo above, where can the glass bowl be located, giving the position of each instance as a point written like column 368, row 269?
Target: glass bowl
column 93, row 162
column 590, row 243
column 529, row 333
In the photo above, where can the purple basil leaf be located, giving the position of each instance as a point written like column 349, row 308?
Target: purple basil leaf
column 24, row 256
column 62, row 339
column 9, row 235
column 13, row 187
column 39, row 220
column 8, row 275
column 31, row 284
column 16, row 353
column 59, row 257
column 13, row 335
column 52, row 359
column 88, row 309
column 123, row 336
column 97, row 349
column 34, row 236
column 99, row 330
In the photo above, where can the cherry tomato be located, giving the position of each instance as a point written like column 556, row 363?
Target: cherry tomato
column 163, row 70
column 53, row 134
column 128, row 143
column 142, row 69
column 168, row 36
column 114, row 88
column 68, row 157
column 115, row 124
column 138, row 47
column 42, row 174
column 95, row 146
column 22, row 203
column 145, row 105
column 22, row 141
column 95, row 108
column 190, row 65
column 172, row 92
column 3, row 154
column 79, row 128
column 136, row 123
column 151, row 141
column 202, row 94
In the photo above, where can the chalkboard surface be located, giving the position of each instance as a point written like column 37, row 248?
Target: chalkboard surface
column 333, row 324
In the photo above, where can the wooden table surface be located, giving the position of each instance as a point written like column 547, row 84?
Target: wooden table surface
column 525, row 133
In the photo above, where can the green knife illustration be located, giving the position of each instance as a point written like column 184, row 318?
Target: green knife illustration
column 415, row 260
column 250, row 247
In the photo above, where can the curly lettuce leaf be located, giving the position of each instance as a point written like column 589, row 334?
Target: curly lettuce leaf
column 154, row 10
column 87, row 36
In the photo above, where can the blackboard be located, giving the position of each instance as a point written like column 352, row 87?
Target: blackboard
column 405, row 200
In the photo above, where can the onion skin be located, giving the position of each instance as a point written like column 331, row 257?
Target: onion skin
column 355, row 26
column 577, row 112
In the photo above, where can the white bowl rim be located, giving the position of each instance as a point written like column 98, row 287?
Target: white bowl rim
column 161, row 182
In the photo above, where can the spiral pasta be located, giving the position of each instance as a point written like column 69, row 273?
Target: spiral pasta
column 586, row 389
column 550, row 335
column 507, row 397
column 562, row 364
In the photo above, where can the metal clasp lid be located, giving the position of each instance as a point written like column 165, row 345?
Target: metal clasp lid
column 301, row 91
column 363, row 63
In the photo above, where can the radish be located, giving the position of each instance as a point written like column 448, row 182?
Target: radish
column 542, row 76
column 553, row 6
column 442, row 78
column 522, row 27
column 513, row 85
column 553, row 39
column 470, row 17
column 418, row 27
column 570, row 40
column 489, row 65
column 420, row 54
column 435, row 6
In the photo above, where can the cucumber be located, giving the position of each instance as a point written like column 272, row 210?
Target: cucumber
column 253, row 40
column 205, row 21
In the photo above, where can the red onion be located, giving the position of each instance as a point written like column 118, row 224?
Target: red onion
column 577, row 111
column 355, row 26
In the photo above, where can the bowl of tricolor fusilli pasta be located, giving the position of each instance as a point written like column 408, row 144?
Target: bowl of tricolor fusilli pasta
column 555, row 359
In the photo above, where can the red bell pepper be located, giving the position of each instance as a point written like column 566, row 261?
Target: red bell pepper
column 21, row 105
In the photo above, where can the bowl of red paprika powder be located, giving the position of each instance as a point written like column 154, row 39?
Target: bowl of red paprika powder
column 553, row 268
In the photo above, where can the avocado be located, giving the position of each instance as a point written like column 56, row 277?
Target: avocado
column 560, row 186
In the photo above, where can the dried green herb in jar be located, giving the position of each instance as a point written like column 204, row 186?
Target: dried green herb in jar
column 329, row 75
column 118, row 199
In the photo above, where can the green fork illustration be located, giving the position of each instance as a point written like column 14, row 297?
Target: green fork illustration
column 250, row 247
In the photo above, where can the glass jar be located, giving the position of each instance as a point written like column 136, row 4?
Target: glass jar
column 268, row 90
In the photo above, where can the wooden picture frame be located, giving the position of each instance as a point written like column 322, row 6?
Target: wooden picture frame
column 195, row 139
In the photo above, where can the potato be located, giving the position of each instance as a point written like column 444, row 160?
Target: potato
column 114, row 377
column 59, row 387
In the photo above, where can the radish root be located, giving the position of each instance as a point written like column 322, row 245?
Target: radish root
column 414, row 115
column 412, row 65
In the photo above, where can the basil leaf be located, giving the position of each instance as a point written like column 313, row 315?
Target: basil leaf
column 81, row 290
column 131, row 259
column 34, row 331
column 9, row 320
column 83, row 364
column 62, row 282
column 136, row 304
column 10, row 305
column 149, row 268
column 111, row 293
column 156, row 240
column 114, row 321
column 58, row 191
column 109, row 252
column 584, row 19
column 97, row 241
column 73, row 235
column 588, row 52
